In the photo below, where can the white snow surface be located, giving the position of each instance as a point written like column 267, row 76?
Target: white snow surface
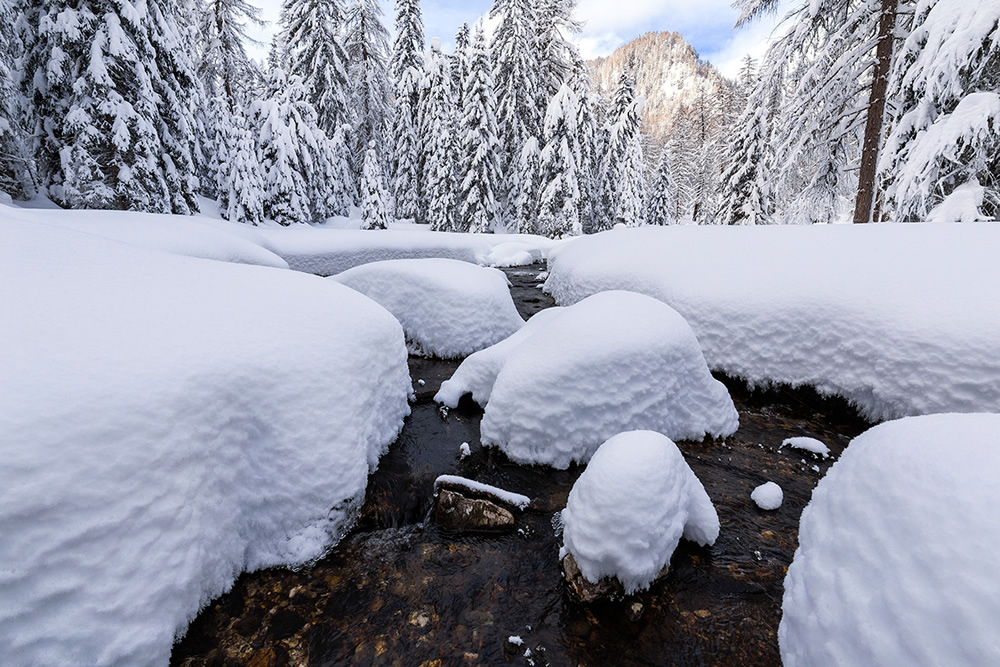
column 448, row 308
column 768, row 496
column 630, row 507
column 191, row 236
column 327, row 251
column 901, row 319
column 515, row 499
column 166, row 423
column 896, row 562
column 614, row 362
column 807, row 444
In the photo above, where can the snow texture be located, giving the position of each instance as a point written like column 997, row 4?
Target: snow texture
column 513, row 499
column 616, row 361
column 631, row 506
column 768, row 496
column 807, row 444
column 900, row 319
column 896, row 562
column 167, row 423
column 447, row 308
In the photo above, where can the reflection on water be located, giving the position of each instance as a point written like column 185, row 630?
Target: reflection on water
column 399, row 591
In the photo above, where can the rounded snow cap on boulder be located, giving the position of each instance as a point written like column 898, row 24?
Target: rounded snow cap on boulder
column 630, row 507
column 448, row 308
column 896, row 562
column 614, row 362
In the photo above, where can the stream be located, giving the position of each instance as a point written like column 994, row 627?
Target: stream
column 398, row 590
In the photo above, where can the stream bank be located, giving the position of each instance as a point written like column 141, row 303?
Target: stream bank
column 399, row 590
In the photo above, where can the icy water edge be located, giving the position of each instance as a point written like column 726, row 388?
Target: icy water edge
column 400, row 591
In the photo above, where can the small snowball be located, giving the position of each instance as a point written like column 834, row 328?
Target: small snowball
column 464, row 450
column 768, row 496
column 515, row 640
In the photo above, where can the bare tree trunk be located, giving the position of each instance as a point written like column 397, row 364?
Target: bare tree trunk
column 865, row 204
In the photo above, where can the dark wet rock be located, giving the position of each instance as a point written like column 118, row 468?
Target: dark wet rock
column 605, row 589
column 455, row 511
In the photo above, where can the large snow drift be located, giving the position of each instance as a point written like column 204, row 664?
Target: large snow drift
column 614, row 362
column 628, row 510
column 166, row 423
column 899, row 319
column 896, row 562
column 447, row 308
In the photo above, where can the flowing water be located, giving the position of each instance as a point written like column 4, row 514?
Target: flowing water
column 400, row 591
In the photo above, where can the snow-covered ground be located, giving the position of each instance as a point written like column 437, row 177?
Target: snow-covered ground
column 896, row 562
column 448, row 308
column 167, row 422
column 899, row 319
column 614, row 362
column 631, row 506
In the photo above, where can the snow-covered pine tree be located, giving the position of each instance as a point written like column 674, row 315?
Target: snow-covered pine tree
column 559, row 60
column 335, row 189
column 315, row 53
column 437, row 142
column 289, row 145
column 663, row 196
column 623, row 190
column 367, row 44
column 409, row 44
column 587, row 150
column 460, row 63
column 558, row 207
column 947, row 140
column 111, row 86
column 16, row 165
column 241, row 197
column 223, row 65
column 406, row 68
column 524, row 212
column 374, row 197
column 477, row 207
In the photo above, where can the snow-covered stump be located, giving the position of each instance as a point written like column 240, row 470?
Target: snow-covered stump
column 616, row 361
column 626, row 514
column 896, row 562
column 448, row 308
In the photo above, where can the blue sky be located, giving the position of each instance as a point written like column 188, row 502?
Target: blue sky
column 608, row 25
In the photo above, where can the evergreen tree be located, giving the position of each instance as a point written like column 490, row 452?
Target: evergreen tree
column 111, row 92
column 224, row 67
column 460, row 63
column 437, row 142
column 587, row 151
column 623, row 168
column 558, row 212
column 515, row 63
column 559, row 60
column 367, row 45
column 663, row 200
column 374, row 197
column 406, row 66
column 242, row 193
column 524, row 218
column 477, row 211
column 16, row 166
column 409, row 44
column 315, row 53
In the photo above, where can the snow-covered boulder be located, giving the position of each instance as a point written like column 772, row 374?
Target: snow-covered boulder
column 631, row 506
column 614, row 362
column 166, row 423
column 448, row 308
column 896, row 562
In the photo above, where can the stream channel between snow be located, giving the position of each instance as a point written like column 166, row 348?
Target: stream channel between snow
column 398, row 590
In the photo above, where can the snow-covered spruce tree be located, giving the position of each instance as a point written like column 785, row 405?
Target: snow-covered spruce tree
column 946, row 143
column 241, row 195
column 623, row 168
column 558, row 207
column 515, row 63
column 374, row 197
column 315, row 53
column 559, row 60
column 223, row 65
column 406, row 69
column 524, row 211
column 367, row 44
column 663, row 196
column 460, row 63
column 477, row 207
column 335, row 190
column 587, row 150
column 16, row 165
column 291, row 149
column 110, row 87
column 701, row 125
column 437, row 142
column 409, row 44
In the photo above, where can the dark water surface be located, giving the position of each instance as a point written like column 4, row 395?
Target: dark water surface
column 400, row 591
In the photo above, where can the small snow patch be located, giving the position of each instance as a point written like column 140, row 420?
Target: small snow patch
column 807, row 444
column 768, row 496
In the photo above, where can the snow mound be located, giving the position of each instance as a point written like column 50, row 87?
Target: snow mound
column 900, row 319
column 896, row 562
column 191, row 236
column 447, row 308
column 807, row 445
column 614, row 362
column 167, row 423
column 628, row 510
column 768, row 496
column 326, row 252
